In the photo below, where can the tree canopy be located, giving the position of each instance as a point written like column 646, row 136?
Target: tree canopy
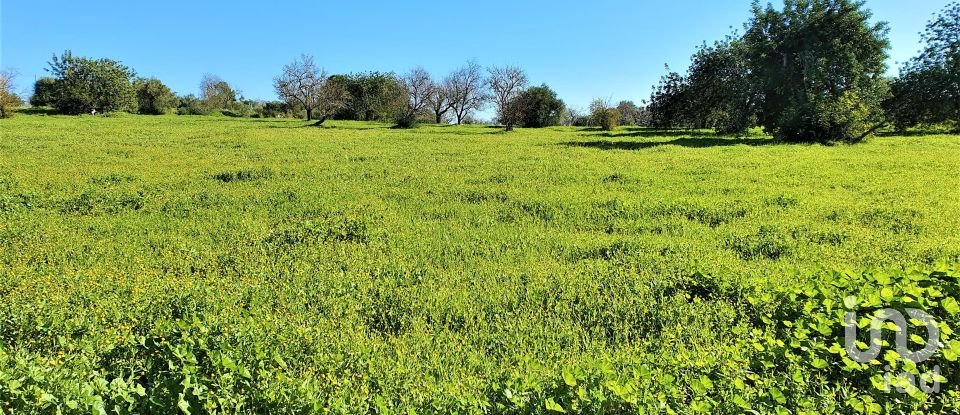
column 818, row 68
column 83, row 85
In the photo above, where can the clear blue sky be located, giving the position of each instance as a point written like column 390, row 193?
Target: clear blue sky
column 582, row 49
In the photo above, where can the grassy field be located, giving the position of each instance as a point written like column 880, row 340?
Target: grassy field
column 260, row 266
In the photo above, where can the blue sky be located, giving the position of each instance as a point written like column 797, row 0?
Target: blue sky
column 582, row 49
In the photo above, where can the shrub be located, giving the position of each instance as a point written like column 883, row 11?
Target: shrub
column 604, row 114
column 153, row 97
column 44, row 91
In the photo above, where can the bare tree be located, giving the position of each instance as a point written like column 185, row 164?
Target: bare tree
column 439, row 99
column 571, row 116
column 506, row 82
column 302, row 85
column 466, row 90
column 419, row 87
column 215, row 92
column 8, row 99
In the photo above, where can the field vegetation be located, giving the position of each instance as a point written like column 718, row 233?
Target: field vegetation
column 244, row 265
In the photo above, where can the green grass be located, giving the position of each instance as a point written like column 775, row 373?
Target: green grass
column 244, row 265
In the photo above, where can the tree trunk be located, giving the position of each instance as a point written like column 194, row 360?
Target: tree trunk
column 309, row 114
column 439, row 117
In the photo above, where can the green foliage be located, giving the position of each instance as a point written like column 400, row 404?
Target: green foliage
column 669, row 102
column 9, row 101
column 44, row 92
column 232, row 265
column 83, row 85
column 154, row 97
column 536, row 107
column 604, row 115
column 818, row 67
column 191, row 105
column 372, row 96
column 216, row 94
column 722, row 94
column 927, row 91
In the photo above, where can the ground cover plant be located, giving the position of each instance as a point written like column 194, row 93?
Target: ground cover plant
column 227, row 265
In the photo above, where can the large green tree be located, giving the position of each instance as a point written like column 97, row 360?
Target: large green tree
column 928, row 88
column 84, row 84
column 818, row 66
column 723, row 95
column 669, row 102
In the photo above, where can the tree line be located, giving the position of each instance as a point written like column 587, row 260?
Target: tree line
column 813, row 71
column 79, row 85
column 810, row 71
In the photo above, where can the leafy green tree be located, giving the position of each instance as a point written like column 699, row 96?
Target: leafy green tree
column 818, row 66
column 723, row 95
column 84, row 85
column 928, row 88
column 535, row 107
column 153, row 97
column 44, row 92
column 372, row 96
column 668, row 103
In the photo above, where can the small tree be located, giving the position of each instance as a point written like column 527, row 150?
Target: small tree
column 9, row 101
column 572, row 116
column 536, row 107
column 372, row 96
column 629, row 113
column 439, row 100
column 83, row 85
column 506, row 83
column 419, row 87
column 216, row 93
column 302, row 85
column 153, row 97
column 465, row 87
column 604, row 114
column 44, row 92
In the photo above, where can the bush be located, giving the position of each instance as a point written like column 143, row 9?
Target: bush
column 604, row 114
column 406, row 121
column 153, row 97
column 537, row 107
column 191, row 105
column 44, row 91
